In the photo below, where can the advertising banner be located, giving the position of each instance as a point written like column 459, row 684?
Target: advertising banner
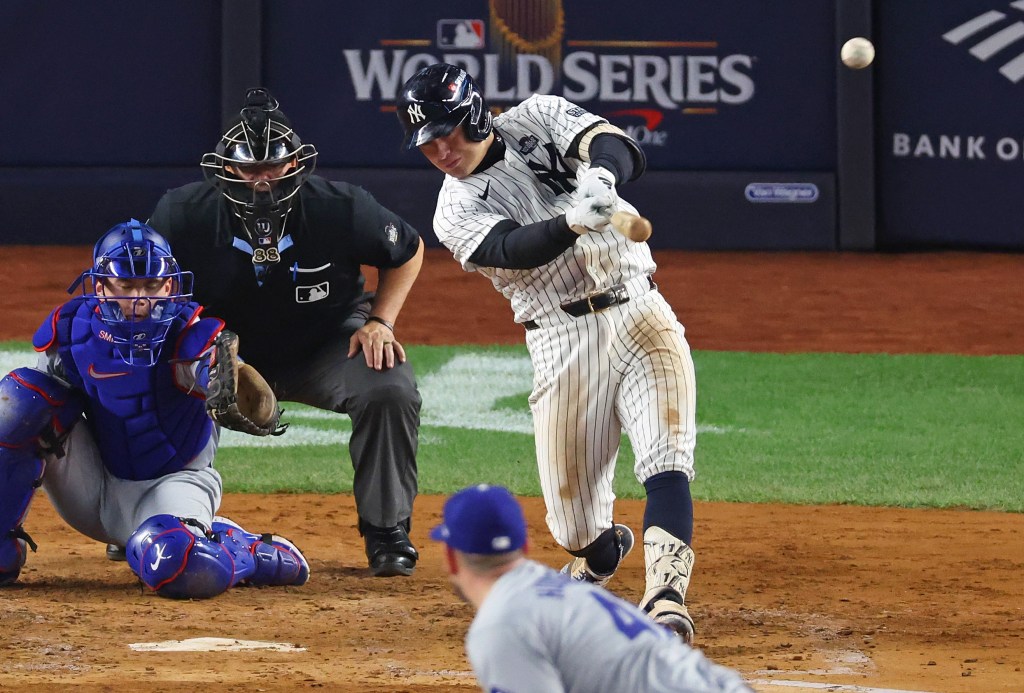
column 731, row 85
column 950, row 128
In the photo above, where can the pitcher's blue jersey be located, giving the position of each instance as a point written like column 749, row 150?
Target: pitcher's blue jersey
column 537, row 630
column 147, row 421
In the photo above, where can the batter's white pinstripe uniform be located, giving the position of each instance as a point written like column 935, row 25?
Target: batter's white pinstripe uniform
column 627, row 368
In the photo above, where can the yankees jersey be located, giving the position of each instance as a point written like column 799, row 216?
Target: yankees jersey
column 147, row 421
column 535, row 181
column 537, row 630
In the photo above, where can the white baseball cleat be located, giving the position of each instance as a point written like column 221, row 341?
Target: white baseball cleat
column 673, row 615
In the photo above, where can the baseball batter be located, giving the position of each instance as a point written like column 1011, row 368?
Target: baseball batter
column 113, row 424
column 535, row 630
column 527, row 202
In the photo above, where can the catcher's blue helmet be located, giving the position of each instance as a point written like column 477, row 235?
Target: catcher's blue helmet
column 127, row 252
column 436, row 100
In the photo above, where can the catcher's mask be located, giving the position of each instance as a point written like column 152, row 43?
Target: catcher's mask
column 137, row 288
column 436, row 100
column 259, row 165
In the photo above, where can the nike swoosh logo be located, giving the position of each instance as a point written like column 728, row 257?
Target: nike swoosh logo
column 103, row 376
column 159, row 557
column 487, row 189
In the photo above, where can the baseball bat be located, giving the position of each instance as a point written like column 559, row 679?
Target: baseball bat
column 633, row 227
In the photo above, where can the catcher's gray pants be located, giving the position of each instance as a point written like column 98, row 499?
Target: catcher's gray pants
column 108, row 509
column 385, row 410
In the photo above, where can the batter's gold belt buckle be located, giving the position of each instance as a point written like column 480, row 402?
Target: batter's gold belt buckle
column 598, row 301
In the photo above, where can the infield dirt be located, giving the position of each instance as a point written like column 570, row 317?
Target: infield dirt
column 922, row 600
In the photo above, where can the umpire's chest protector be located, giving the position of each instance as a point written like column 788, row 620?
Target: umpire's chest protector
column 143, row 424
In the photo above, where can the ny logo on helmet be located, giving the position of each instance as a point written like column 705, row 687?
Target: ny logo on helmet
column 416, row 113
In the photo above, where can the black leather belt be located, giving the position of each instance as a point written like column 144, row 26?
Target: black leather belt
column 594, row 303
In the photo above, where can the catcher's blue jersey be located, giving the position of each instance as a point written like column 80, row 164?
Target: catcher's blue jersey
column 145, row 421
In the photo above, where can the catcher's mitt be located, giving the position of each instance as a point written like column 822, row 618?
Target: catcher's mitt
column 237, row 396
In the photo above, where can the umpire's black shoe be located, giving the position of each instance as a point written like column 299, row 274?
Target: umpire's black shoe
column 116, row 553
column 388, row 549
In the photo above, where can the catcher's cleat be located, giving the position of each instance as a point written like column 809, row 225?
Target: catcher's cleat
column 578, row 569
column 388, row 549
column 116, row 553
column 665, row 610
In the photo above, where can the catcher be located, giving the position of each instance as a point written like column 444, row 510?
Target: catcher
column 116, row 423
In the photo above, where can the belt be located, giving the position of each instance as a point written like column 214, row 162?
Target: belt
column 593, row 303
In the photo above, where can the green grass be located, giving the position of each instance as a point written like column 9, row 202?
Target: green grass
column 910, row 431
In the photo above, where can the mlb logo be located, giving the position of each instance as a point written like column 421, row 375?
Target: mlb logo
column 460, row 33
column 309, row 294
column 266, row 240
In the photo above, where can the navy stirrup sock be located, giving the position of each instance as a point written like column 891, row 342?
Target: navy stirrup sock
column 669, row 505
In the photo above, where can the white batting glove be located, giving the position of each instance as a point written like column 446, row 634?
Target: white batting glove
column 597, row 181
column 592, row 213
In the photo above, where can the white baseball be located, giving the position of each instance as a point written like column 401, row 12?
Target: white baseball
column 857, row 53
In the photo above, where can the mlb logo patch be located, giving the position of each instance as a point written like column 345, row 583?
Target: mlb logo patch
column 460, row 33
column 309, row 294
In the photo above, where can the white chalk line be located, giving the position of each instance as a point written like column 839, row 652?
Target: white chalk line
column 832, row 687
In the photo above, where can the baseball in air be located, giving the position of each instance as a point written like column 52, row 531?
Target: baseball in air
column 857, row 53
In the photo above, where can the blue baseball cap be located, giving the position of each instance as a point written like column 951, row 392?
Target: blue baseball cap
column 482, row 519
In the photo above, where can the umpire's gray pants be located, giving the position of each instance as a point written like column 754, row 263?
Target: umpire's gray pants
column 385, row 410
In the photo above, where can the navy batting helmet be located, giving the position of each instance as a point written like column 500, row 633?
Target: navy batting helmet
column 436, row 100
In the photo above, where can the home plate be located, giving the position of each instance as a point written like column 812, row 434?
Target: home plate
column 213, row 645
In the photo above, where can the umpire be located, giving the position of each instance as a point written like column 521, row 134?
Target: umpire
column 276, row 253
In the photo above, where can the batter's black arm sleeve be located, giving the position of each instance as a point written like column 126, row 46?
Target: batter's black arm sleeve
column 511, row 246
column 618, row 154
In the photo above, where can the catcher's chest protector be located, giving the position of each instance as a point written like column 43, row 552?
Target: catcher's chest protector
column 144, row 426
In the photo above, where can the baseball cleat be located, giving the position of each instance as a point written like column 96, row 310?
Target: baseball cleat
column 116, row 553
column 674, row 616
column 578, row 569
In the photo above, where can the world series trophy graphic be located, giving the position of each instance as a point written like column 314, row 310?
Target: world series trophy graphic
column 527, row 26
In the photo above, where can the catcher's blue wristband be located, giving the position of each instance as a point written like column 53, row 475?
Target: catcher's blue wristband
column 382, row 321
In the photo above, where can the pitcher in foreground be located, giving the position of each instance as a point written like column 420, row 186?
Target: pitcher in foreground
column 537, row 630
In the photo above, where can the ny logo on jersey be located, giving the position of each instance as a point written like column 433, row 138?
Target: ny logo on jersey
column 556, row 176
column 415, row 113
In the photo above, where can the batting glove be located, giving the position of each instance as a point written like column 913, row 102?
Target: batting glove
column 591, row 214
column 597, row 181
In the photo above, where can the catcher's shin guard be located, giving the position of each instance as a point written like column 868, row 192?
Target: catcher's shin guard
column 175, row 558
column 579, row 569
column 20, row 474
column 35, row 411
column 669, row 564
column 275, row 560
column 13, row 550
